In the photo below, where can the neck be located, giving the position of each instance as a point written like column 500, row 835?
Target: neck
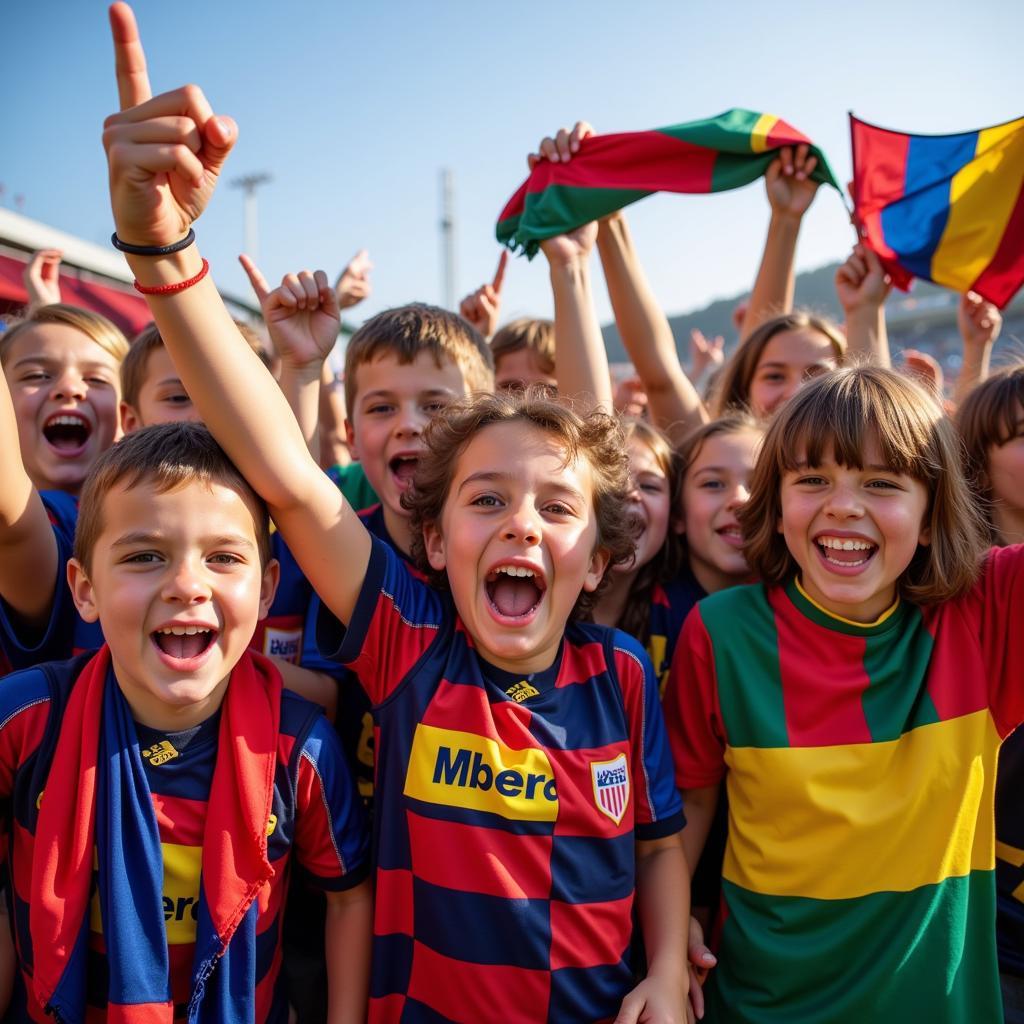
column 713, row 579
column 1009, row 524
column 399, row 529
column 610, row 609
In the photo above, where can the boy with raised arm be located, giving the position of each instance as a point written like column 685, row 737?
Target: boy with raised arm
column 524, row 794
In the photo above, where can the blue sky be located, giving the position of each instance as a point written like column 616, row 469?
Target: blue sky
column 355, row 108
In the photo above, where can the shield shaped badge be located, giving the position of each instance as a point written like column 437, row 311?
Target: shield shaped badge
column 611, row 786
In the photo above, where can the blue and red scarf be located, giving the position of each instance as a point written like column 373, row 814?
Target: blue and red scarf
column 104, row 805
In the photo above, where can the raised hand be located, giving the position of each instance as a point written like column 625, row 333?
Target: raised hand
column 979, row 321
column 861, row 282
column 302, row 315
column 42, row 278
column 165, row 153
column 705, row 352
column 482, row 307
column 788, row 181
column 353, row 284
column 561, row 147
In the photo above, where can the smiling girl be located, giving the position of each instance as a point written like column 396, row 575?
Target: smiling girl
column 854, row 702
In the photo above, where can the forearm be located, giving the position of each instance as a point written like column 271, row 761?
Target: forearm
column 867, row 340
column 237, row 397
column 700, row 805
column 581, row 362
column 348, row 936
column 663, row 895
column 645, row 332
column 300, row 386
column 973, row 370
column 775, row 283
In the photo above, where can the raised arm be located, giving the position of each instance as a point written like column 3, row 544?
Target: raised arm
column 42, row 278
column 979, row 322
column 790, row 193
column 483, row 307
column 863, row 286
column 28, row 548
column 165, row 155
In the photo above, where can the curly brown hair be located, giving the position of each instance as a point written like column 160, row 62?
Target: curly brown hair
column 840, row 413
column 596, row 437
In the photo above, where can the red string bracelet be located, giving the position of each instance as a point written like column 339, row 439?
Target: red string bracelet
column 171, row 289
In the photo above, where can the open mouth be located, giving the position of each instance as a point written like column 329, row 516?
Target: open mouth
column 732, row 535
column 846, row 552
column 67, row 432
column 514, row 591
column 404, row 468
column 184, row 643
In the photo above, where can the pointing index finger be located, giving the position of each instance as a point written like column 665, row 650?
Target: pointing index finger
column 256, row 278
column 129, row 58
column 499, row 274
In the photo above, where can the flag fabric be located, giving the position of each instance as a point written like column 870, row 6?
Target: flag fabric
column 612, row 171
column 945, row 208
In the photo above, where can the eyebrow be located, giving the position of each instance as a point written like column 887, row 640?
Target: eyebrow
column 496, row 476
column 44, row 360
column 872, row 467
column 138, row 537
column 385, row 393
column 170, row 380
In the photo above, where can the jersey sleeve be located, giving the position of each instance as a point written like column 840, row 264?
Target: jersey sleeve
column 25, row 647
column 659, row 808
column 692, row 714
column 1000, row 592
column 395, row 620
column 331, row 843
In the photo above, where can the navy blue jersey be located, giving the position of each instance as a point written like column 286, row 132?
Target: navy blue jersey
column 670, row 604
column 1010, row 855
column 507, row 810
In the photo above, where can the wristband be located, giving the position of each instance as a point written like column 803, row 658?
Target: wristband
column 153, row 250
column 171, row 289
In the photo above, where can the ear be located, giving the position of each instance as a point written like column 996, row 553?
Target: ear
column 130, row 419
column 350, row 440
column 268, row 586
column 82, row 591
column 433, row 541
column 598, row 563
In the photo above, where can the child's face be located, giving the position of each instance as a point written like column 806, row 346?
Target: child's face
column 519, row 370
column 393, row 404
column 515, row 504
column 789, row 360
column 1005, row 469
column 162, row 397
column 65, row 392
column 716, row 485
column 853, row 532
column 650, row 501
column 177, row 586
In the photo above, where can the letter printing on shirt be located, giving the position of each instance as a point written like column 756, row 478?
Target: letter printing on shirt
column 315, row 815
column 860, row 763
column 504, row 828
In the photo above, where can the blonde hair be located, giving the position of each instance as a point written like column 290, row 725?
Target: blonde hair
column 732, row 390
column 596, row 437
column 94, row 326
column 526, row 333
column 839, row 414
column 407, row 331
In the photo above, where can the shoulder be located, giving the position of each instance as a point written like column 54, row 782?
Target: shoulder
column 22, row 690
column 734, row 606
column 621, row 654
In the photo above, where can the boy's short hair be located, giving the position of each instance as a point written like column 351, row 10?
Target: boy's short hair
column 839, row 413
column 94, row 326
column 596, row 437
column 536, row 335
column 133, row 366
column 406, row 331
column 168, row 455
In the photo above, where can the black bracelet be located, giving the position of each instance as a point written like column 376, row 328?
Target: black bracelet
column 153, row 250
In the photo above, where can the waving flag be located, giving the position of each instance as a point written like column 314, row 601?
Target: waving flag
column 945, row 208
column 612, row 171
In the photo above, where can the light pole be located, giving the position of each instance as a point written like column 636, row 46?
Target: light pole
column 249, row 183
column 448, row 238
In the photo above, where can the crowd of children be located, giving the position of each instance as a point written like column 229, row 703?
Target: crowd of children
column 441, row 707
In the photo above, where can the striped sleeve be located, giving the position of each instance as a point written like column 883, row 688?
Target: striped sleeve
column 659, row 809
column 396, row 619
column 330, row 832
column 692, row 714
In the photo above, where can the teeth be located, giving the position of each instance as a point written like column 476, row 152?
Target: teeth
column 183, row 630
column 66, row 421
column 516, row 570
column 844, row 544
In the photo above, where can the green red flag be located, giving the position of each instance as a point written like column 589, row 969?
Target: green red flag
column 612, row 171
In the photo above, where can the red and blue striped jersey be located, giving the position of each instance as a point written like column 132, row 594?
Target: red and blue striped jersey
column 316, row 817
column 507, row 810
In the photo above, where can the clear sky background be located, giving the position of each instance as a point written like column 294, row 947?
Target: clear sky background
column 354, row 109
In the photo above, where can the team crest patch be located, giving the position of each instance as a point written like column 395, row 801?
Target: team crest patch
column 522, row 691
column 283, row 643
column 160, row 753
column 611, row 786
